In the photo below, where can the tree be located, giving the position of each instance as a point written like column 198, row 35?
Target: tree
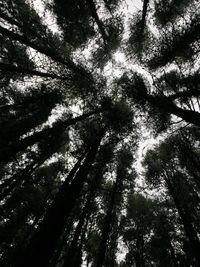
column 60, row 207
column 139, row 222
column 167, row 168
column 124, row 161
column 83, row 82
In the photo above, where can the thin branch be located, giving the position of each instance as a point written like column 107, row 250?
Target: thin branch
column 19, row 69
column 144, row 14
column 97, row 20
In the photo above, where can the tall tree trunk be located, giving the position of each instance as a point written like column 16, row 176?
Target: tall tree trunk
column 166, row 236
column 106, row 229
column 14, row 129
column 62, row 241
column 71, row 254
column 111, row 254
column 9, row 185
column 9, row 19
column 20, row 69
column 78, row 260
column 8, row 152
column 72, row 251
column 189, row 230
column 99, row 23
column 139, row 254
column 172, row 253
column 42, row 245
column 192, row 161
column 26, row 173
column 164, row 104
column 49, row 52
column 144, row 14
column 184, row 94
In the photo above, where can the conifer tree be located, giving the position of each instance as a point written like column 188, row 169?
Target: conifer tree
column 83, row 83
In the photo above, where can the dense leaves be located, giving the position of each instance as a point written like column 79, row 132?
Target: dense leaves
column 86, row 85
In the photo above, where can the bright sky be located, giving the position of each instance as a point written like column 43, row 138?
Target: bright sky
column 129, row 7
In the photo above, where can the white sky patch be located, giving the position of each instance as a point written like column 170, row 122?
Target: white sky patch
column 119, row 57
column 112, row 69
column 46, row 15
column 122, row 251
column 134, row 5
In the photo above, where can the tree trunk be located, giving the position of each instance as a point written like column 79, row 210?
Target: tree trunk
column 184, row 94
column 72, row 251
column 62, row 241
column 14, row 129
column 189, row 230
column 11, row 150
column 97, row 20
column 20, row 69
column 172, row 252
column 106, row 229
column 164, row 104
column 9, row 185
column 139, row 254
column 49, row 52
column 144, row 14
column 25, row 174
column 43, row 243
column 78, row 260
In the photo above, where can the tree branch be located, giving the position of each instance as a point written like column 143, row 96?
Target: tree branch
column 49, row 52
column 18, row 69
column 97, row 20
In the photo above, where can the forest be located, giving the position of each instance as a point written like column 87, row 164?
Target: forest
column 99, row 133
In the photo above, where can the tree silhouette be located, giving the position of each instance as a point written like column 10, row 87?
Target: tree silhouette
column 84, row 83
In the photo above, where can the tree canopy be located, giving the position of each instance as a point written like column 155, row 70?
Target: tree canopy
column 86, row 86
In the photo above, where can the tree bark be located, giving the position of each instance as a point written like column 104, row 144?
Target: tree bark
column 24, row 174
column 42, row 245
column 97, row 20
column 144, row 14
column 72, row 251
column 9, row 19
column 139, row 253
column 189, row 230
column 20, row 69
column 46, row 51
column 106, row 229
column 8, row 152
column 71, row 254
column 164, row 104
column 62, row 241
column 172, row 252
column 184, row 94
column 9, row 185
column 78, row 260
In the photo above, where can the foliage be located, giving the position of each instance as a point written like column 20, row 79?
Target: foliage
column 83, row 82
